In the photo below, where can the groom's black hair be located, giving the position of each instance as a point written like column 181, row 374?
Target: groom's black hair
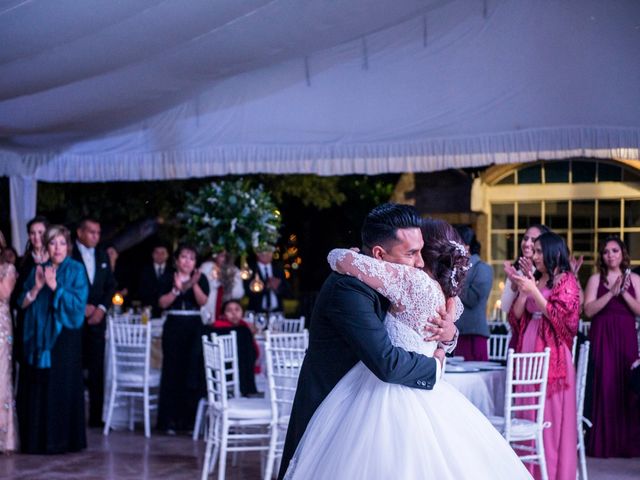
column 382, row 223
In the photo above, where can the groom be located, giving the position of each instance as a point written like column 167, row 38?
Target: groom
column 347, row 325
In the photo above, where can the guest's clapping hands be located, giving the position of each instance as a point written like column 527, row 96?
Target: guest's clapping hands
column 510, row 271
column 39, row 277
column 626, row 282
column 526, row 265
column 50, row 277
column 177, row 283
column 576, row 263
column 525, row 283
column 616, row 288
column 195, row 277
column 442, row 328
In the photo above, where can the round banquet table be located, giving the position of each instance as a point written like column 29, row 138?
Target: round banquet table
column 483, row 383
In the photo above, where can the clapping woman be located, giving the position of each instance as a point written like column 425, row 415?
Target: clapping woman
column 521, row 264
column 180, row 387
column 611, row 300
column 544, row 314
column 50, row 397
column 35, row 253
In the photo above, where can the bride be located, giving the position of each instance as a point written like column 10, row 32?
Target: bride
column 368, row 429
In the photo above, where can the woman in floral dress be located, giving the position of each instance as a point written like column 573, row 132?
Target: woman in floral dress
column 8, row 423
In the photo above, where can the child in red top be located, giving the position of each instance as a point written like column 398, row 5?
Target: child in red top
column 233, row 316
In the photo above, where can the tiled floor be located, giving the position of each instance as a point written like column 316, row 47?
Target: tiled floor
column 124, row 456
column 128, row 456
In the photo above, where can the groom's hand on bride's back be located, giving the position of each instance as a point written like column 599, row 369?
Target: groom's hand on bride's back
column 442, row 328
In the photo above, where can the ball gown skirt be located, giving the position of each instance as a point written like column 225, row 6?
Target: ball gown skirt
column 368, row 429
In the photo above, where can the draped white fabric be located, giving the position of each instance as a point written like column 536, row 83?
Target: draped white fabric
column 169, row 89
column 23, row 196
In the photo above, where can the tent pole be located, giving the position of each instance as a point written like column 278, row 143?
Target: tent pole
column 23, row 193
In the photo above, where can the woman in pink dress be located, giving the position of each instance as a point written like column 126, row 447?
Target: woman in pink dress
column 611, row 302
column 545, row 314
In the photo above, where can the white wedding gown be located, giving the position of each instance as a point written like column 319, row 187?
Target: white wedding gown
column 367, row 429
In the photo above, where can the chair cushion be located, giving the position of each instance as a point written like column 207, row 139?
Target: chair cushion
column 136, row 378
column 521, row 429
column 249, row 408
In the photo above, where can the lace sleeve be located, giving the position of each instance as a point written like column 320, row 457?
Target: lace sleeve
column 459, row 308
column 403, row 285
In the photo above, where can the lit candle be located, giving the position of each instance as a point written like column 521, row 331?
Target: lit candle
column 117, row 301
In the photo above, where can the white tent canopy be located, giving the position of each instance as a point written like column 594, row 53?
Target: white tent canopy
column 164, row 89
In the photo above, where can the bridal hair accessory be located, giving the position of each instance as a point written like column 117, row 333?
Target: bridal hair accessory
column 454, row 271
column 459, row 247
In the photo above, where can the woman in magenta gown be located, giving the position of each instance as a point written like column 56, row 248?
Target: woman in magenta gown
column 611, row 302
column 545, row 314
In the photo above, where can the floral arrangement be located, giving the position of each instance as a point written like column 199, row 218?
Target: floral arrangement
column 232, row 216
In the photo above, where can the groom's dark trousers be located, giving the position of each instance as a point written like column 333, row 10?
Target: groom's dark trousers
column 346, row 327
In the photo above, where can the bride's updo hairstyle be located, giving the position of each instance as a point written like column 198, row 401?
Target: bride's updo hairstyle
column 445, row 256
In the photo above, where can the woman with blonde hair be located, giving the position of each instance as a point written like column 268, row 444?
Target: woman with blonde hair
column 51, row 394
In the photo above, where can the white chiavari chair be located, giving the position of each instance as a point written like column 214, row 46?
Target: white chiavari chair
column 288, row 325
column 133, row 318
column 581, row 384
column 284, row 356
column 498, row 345
column 132, row 377
column 525, row 393
column 495, row 324
column 584, row 327
column 235, row 424
column 230, row 353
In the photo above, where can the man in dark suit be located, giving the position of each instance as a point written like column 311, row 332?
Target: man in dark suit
column 347, row 325
column 275, row 283
column 153, row 275
column 102, row 286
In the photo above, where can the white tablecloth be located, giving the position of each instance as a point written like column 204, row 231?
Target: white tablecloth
column 485, row 389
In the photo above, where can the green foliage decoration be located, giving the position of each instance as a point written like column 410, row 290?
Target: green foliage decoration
column 231, row 215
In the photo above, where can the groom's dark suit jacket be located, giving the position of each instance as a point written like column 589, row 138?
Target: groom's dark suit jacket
column 346, row 327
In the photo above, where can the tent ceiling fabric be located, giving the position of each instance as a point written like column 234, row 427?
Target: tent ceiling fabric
column 151, row 89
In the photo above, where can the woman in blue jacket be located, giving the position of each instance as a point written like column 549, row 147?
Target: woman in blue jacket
column 50, row 393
